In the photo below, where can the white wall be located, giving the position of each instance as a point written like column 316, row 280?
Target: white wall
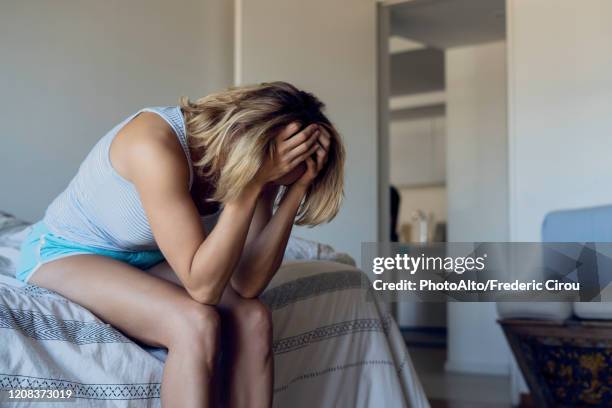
column 477, row 191
column 477, row 140
column 328, row 48
column 72, row 69
column 417, row 150
column 560, row 99
column 561, row 109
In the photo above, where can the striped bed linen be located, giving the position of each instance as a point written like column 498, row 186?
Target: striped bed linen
column 332, row 347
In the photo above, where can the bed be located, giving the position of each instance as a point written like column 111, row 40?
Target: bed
column 331, row 347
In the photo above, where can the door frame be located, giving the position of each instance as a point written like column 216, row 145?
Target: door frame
column 383, row 73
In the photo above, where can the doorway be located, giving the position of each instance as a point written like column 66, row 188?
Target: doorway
column 444, row 143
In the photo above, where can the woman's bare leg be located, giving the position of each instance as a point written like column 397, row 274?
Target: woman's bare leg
column 248, row 365
column 149, row 309
column 246, row 327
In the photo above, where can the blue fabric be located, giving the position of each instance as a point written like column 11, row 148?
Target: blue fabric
column 581, row 225
column 42, row 246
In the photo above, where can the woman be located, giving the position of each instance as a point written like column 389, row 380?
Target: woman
column 137, row 199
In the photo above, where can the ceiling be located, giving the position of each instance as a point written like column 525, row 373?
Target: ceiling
column 449, row 23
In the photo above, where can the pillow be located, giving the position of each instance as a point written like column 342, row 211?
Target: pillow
column 300, row 248
column 12, row 232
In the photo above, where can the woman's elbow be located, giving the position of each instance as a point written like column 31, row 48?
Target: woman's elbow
column 205, row 296
column 244, row 290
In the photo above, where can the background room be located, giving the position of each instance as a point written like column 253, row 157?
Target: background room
column 499, row 131
column 447, row 144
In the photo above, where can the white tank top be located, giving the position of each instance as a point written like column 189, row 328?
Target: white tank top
column 102, row 209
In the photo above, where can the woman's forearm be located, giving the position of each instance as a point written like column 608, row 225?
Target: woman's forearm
column 263, row 256
column 216, row 258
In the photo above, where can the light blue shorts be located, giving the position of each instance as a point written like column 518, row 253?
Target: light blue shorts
column 42, row 246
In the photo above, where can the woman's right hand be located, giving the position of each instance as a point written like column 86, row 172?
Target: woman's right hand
column 292, row 148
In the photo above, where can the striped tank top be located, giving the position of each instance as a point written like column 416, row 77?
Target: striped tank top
column 102, row 209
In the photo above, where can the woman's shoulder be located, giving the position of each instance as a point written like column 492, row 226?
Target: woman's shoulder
column 147, row 141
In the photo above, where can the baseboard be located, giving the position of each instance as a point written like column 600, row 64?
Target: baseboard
column 470, row 367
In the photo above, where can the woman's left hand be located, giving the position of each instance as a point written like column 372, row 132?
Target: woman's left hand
column 315, row 164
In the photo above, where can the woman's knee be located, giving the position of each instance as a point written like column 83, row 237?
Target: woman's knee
column 197, row 328
column 254, row 321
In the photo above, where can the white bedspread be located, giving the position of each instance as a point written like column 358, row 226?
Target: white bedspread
column 332, row 347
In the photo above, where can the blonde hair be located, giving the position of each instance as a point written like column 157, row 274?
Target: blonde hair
column 231, row 132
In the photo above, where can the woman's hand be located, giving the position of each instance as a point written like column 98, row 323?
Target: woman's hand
column 264, row 254
column 315, row 165
column 291, row 149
